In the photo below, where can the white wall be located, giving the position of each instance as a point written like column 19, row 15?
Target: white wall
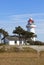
column 11, row 43
column 0, row 40
column 18, row 42
column 22, row 42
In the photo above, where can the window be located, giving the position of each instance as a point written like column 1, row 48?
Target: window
column 15, row 41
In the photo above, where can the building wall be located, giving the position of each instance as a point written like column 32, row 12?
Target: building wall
column 22, row 42
column 32, row 30
column 0, row 40
column 17, row 42
column 14, row 42
column 11, row 43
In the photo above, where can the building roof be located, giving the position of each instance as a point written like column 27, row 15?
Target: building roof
column 14, row 38
column 31, row 20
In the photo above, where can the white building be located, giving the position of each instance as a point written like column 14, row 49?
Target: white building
column 31, row 27
column 14, row 40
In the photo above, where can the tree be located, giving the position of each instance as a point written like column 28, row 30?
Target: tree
column 22, row 33
column 18, row 30
column 27, row 35
column 0, row 35
column 5, row 33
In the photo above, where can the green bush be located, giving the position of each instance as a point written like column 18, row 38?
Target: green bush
column 38, row 43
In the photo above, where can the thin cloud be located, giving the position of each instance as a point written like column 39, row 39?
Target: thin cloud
column 24, row 17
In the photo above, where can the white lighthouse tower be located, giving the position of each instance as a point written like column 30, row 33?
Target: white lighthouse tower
column 31, row 27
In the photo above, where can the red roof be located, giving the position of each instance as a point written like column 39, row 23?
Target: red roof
column 30, row 20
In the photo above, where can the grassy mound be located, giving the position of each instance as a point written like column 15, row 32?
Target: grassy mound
column 7, row 48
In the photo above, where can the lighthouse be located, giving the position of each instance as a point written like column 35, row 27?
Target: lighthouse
column 31, row 27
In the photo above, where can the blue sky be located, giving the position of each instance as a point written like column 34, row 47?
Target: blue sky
column 17, row 12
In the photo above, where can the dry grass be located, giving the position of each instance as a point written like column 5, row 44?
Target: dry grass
column 21, row 58
column 28, row 56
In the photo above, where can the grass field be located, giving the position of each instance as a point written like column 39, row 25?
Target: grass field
column 15, row 56
column 21, row 58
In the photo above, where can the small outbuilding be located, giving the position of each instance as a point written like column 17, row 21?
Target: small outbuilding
column 14, row 40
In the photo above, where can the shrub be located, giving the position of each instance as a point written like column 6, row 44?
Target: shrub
column 38, row 43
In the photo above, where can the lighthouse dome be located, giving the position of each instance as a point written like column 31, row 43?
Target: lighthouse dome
column 30, row 21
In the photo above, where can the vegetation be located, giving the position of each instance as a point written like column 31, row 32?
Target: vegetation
column 38, row 43
column 4, row 33
column 35, row 42
column 17, row 59
column 22, row 33
column 7, row 48
column 28, row 49
column 21, row 58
